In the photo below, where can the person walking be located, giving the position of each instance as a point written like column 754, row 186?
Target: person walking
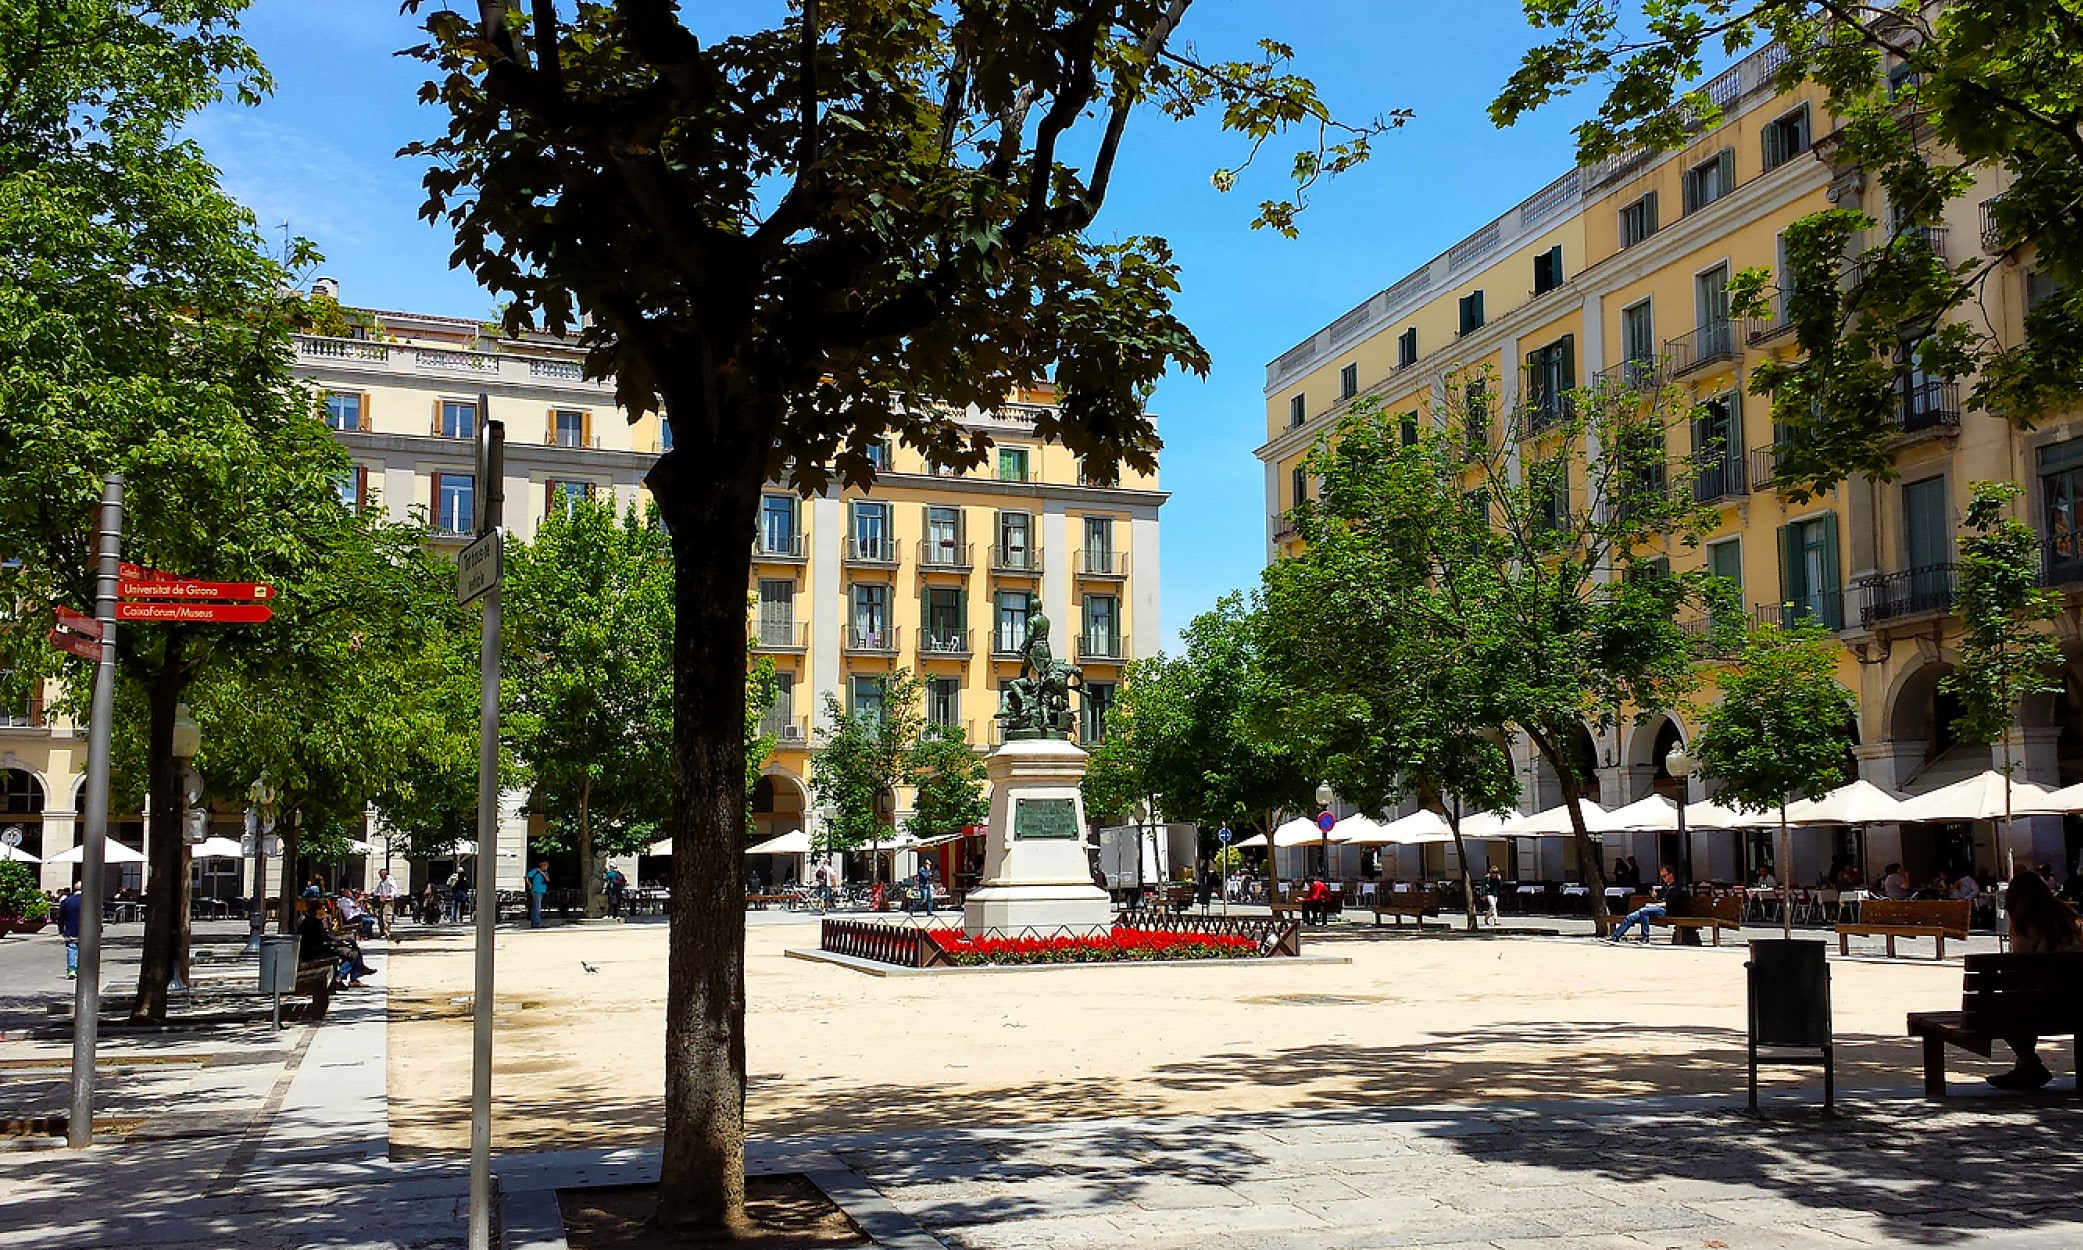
column 69, row 929
column 458, row 896
column 538, row 887
column 386, row 895
column 1658, row 906
column 618, row 885
column 925, row 885
column 1493, row 890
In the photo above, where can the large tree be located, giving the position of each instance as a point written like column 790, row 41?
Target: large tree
column 796, row 242
column 1933, row 103
column 144, row 330
column 589, row 630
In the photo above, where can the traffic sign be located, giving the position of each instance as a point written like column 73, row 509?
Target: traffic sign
column 11, row 836
column 78, row 622
column 1222, row 835
column 1325, row 821
column 162, row 586
column 75, row 644
column 479, row 566
column 195, row 613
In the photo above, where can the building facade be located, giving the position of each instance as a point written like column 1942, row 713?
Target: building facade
column 1618, row 272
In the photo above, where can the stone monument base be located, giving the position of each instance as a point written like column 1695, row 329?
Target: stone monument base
column 1036, row 872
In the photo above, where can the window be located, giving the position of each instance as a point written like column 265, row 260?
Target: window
column 1297, row 410
column 1714, row 338
column 777, row 525
column 866, row 696
column 1786, row 138
column 564, row 496
column 457, row 420
column 2041, row 286
column 343, row 411
column 1348, row 381
column 1297, row 486
column 1725, row 560
column 455, row 503
column 1902, row 77
column 567, row 427
column 1102, row 626
column 1710, row 180
column 1638, row 220
column 1471, row 312
column 1013, row 607
column 353, row 488
column 1926, row 537
column 1408, row 428
column 1099, row 701
column 944, row 701
column 869, row 624
column 941, row 614
column 1638, row 342
column 777, row 612
column 1551, row 374
column 1551, row 478
column 1809, row 586
column 1407, row 348
column 880, row 454
column 779, row 721
column 1012, row 464
column 1547, row 270
column 944, row 536
column 1099, row 545
column 2061, row 504
column 1015, row 546
column 1475, row 399
column 872, row 539
column 1717, row 449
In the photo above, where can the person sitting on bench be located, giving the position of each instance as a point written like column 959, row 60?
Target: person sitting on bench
column 1316, row 902
column 1658, row 906
column 2039, row 923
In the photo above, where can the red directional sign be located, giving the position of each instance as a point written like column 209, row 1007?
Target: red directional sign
column 188, row 588
column 78, row 622
column 75, row 644
column 195, row 613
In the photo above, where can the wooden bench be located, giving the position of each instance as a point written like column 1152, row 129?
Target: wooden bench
column 1416, row 904
column 2003, row 996
column 1699, row 913
column 1938, row 919
column 760, row 902
column 315, row 982
column 1292, row 905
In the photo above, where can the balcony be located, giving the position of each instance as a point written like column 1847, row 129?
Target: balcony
column 944, row 643
column 1101, row 648
column 946, row 556
column 873, row 551
column 1016, row 561
column 1928, row 238
column 1097, row 562
column 1630, row 376
column 2061, row 560
column 1764, row 466
column 1715, row 341
column 772, row 548
column 1721, row 477
column 884, row 640
column 1284, row 527
column 1918, row 592
column 1006, row 645
column 1823, row 607
column 781, row 636
column 1542, row 411
column 1709, row 639
column 1992, row 230
column 566, row 438
column 788, row 734
column 1758, row 330
column 1930, row 406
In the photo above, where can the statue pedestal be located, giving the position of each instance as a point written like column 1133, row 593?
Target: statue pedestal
column 1036, row 874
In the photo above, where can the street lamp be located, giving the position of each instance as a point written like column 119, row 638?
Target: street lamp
column 260, row 813
column 1142, row 817
column 187, row 741
column 1681, row 766
column 1324, row 796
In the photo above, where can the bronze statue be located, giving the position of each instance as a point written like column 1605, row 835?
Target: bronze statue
column 1036, row 704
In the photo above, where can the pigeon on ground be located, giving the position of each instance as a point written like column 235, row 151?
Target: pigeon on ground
column 588, row 967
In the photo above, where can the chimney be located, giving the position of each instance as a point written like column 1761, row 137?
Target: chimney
column 328, row 287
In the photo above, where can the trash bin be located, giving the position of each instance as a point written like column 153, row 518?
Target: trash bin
column 1790, row 1008
column 278, row 963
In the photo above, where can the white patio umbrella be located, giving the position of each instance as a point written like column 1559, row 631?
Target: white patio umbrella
column 1980, row 797
column 18, row 854
column 1359, row 829
column 1655, row 814
column 218, row 848
column 2060, row 802
column 1858, row 803
column 794, row 842
column 1555, row 823
column 1423, row 827
column 116, row 853
column 1708, row 814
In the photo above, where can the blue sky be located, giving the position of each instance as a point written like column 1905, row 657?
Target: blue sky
column 319, row 156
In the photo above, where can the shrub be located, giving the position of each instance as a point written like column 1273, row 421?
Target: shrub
column 19, row 894
column 1122, row 944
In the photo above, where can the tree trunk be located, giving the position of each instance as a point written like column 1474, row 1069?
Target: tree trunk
column 166, row 876
column 590, row 868
column 702, row 1171
column 292, row 851
column 1467, row 878
column 1786, row 875
column 1587, row 853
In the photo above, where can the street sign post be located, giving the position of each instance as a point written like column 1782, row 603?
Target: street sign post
column 86, row 1002
column 1223, row 835
column 74, row 644
column 491, row 473
column 195, row 613
column 480, row 566
column 11, row 836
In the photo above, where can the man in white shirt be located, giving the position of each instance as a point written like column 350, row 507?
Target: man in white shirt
column 386, row 894
column 1895, row 884
column 1966, row 887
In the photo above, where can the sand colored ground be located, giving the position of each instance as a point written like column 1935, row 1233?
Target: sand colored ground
column 1411, row 1019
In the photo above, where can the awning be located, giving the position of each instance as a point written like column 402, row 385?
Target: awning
column 218, row 848
column 114, row 852
column 1655, row 814
column 17, row 854
column 794, row 842
column 1977, row 798
column 1708, row 814
column 1554, row 823
column 1360, row 829
column 2059, row 803
column 1859, row 803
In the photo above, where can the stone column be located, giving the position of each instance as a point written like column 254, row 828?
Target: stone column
column 2034, row 839
column 1886, row 764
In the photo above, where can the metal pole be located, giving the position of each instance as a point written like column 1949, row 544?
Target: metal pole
column 86, row 1001
column 491, row 467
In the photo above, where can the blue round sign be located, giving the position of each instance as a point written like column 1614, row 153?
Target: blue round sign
column 1223, row 834
column 1324, row 821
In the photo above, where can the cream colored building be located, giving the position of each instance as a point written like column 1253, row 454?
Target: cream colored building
column 1618, row 272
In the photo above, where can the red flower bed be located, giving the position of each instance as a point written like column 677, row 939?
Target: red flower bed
column 1120, row 945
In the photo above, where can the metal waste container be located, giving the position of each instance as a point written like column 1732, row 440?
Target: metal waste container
column 278, row 963
column 1790, row 1007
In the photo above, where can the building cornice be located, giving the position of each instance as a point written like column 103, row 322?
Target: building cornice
column 1107, row 496
column 519, row 455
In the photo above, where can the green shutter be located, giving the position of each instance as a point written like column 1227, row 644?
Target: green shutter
column 1726, row 176
column 1789, row 571
column 1555, row 264
column 1832, row 602
column 1568, row 348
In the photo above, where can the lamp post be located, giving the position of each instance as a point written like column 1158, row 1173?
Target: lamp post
column 260, row 800
column 187, row 743
column 1681, row 767
column 1323, row 803
column 1142, row 817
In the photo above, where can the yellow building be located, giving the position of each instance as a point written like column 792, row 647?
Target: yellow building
column 1618, row 271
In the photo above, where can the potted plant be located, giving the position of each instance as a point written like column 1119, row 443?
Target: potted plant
column 23, row 908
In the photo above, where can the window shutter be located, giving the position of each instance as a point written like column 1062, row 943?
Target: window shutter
column 361, row 488
column 1789, row 569
column 1725, row 172
column 1568, row 349
column 1555, row 264
column 362, row 417
column 1649, row 202
column 1832, row 606
column 1691, row 186
column 1478, row 298
column 586, row 428
column 1699, row 436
